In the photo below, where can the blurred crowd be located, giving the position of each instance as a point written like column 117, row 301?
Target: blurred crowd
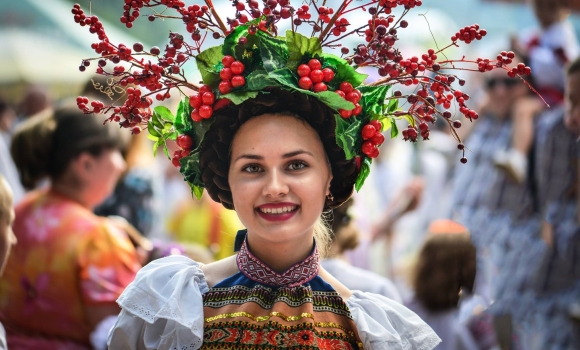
column 487, row 253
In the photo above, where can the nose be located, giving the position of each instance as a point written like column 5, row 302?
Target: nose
column 119, row 162
column 275, row 184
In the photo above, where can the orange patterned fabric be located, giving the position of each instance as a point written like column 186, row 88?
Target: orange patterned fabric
column 66, row 258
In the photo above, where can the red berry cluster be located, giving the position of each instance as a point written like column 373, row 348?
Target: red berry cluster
column 379, row 21
column 324, row 13
column 135, row 110
column 173, row 3
column 469, row 33
column 303, row 13
column 485, row 65
column 185, row 143
column 390, row 4
column 410, row 134
column 352, row 95
column 506, row 57
column 190, row 17
column 520, row 69
column 231, row 75
column 340, row 26
column 371, row 133
column 203, row 104
column 313, row 77
column 131, row 11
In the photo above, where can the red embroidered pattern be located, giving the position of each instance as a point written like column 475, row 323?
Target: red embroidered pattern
column 296, row 275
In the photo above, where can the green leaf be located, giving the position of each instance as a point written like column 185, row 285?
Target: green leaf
column 373, row 98
column 151, row 137
column 347, row 134
column 300, row 46
column 231, row 41
column 191, row 170
column 238, row 97
column 152, row 131
column 285, row 77
column 197, row 191
column 334, row 100
column 258, row 80
column 365, row 170
column 410, row 119
column 164, row 113
column 345, row 72
column 393, row 105
column 206, row 61
column 394, row 129
column 273, row 51
column 332, row 60
column 183, row 123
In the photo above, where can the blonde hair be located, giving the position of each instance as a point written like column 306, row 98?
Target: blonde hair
column 5, row 199
column 322, row 235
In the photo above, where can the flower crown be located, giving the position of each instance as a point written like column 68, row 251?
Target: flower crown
column 255, row 57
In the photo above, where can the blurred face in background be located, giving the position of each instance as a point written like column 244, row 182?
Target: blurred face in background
column 548, row 12
column 98, row 175
column 503, row 91
column 572, row 117
column 7, row 237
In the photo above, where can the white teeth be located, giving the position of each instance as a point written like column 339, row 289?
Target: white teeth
column 277, row 210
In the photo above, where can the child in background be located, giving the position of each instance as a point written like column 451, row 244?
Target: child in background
column 444, row 278
column 7, row 238
column 548, row 52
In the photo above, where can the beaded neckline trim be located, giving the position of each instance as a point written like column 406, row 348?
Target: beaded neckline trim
column 296, row 275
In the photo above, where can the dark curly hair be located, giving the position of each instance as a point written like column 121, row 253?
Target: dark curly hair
column 215, row 149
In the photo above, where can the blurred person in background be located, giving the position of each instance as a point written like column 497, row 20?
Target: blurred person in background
column 7, row 237
column 36, row 99
column 205, row 224
column 555, row 282
column 7, row 167
column 70, row 265
column 443, row 279
column 345, row 236
column 490, row 203
column 547, row 51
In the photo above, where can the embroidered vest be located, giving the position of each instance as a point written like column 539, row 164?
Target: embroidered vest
column 258, row 308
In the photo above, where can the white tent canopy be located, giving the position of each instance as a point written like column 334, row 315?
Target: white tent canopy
column 41, row 43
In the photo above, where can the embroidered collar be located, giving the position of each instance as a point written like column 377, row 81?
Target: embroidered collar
column 258, row 271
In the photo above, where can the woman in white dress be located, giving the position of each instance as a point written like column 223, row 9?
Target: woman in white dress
column 273, row 293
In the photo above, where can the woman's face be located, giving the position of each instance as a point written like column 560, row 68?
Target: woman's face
column 102, row 174
column 279, row 177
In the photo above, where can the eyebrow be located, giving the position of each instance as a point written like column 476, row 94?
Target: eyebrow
column 287, row 155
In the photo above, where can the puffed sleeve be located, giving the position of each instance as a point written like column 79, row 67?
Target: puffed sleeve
column 163, row 308
column 385, row 324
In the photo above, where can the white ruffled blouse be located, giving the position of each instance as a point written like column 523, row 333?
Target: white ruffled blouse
column 163, row 309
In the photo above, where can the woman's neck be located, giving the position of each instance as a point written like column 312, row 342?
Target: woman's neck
column 71, row 192
column 280, row 256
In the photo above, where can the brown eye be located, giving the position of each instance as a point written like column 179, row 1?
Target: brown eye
column 252, row 168
column 297, row 165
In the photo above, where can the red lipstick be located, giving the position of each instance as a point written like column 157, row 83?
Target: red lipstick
column 277, row 212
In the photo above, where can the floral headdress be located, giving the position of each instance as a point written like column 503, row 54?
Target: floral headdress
column 255, row 57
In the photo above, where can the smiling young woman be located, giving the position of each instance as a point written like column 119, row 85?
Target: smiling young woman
column 274, row 159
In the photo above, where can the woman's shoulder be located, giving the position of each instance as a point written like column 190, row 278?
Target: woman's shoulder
column 383, row 323
column 218, row 271
column 165, row 297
